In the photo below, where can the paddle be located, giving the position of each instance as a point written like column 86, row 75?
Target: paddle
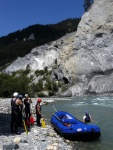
column 58, row 117
column 55, row 115
column 24, row 124
column 54, row 108
column 61, row 120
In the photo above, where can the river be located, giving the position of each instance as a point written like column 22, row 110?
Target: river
column 99, row 107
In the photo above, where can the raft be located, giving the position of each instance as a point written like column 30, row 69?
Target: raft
column 71, row 128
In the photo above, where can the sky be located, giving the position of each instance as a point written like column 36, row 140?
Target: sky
column 19, row 14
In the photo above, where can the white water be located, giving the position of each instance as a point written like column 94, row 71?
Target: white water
column 101, row 110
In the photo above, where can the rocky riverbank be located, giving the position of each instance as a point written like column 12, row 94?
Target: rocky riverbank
column 38, row 138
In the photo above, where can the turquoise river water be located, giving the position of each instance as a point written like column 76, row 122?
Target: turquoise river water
column 101, row 110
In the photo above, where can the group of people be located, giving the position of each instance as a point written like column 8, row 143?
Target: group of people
column 19, row 107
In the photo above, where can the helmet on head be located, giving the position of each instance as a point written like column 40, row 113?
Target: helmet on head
column 20, row 96
column 86, row 112
column 26, row 95
column 39, row 100
column 15, row 94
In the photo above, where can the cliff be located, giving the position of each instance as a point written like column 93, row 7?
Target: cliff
column 84, row 58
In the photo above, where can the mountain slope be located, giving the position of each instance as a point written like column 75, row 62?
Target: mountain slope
column 82, row 60
column 21, row 42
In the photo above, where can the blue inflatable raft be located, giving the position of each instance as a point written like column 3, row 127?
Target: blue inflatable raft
column 71, row 128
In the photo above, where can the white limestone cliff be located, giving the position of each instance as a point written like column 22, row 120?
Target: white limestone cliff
column 84, row 58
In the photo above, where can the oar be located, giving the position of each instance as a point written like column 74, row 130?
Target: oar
column 24, row 124
column 56, row 117
column 54, row 108
column 60, row 120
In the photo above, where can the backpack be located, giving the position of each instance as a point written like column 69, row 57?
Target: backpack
column 32, row 120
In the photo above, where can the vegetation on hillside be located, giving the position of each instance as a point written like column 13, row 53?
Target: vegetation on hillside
column 21, row 83
column 20, row 43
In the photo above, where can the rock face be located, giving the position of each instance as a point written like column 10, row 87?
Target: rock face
column 91, row 61
column 84, row 58
column 40, row 57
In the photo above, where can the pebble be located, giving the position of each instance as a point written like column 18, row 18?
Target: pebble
column 38, row 138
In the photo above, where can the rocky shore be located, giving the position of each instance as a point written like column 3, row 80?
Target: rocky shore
column 38, row 138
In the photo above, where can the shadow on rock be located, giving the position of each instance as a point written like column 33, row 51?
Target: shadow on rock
column 5, row 120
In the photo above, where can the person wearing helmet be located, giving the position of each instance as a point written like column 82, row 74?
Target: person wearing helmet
column 15, row 103
column 27, row 103
column 38, row 112
column 20, row 97
column 87, row 118
column 15, row 94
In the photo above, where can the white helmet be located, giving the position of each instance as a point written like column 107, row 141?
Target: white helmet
column 15, row 94
column 26, row 95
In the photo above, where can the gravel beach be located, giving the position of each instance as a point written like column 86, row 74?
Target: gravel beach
column 38, row 138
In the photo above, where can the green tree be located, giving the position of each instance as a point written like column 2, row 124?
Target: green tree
column 9, row 84
column 18, row 44
column 55, row 87
column 38, row 87
column 48, row 84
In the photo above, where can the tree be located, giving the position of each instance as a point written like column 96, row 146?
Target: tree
column 87, row 3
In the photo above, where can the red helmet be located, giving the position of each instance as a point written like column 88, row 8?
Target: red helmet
column 39, row 100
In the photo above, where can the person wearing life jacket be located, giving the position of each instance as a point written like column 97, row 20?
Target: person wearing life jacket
column 87, row 118
column 27, row 102
column 15, row 103
column 38, row 112
column 20, row 123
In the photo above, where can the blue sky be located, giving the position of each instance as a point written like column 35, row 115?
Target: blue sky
column 18, row 14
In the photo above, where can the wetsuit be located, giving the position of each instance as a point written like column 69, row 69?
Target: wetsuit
column 87, row 118
column 14, row 116
column 27, row 108
column 38, row 115
column 20, row 116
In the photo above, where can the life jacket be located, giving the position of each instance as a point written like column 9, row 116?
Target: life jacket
column 14, row 106
column 27, row 105
column 37, row 109
column 87, row 119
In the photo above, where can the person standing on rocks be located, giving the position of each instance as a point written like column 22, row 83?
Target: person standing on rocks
column 20, row 111
column 38, row 112
column 15, row 103
column 27, row 102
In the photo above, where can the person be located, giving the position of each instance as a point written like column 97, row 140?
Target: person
column 27, row 102
column 15, row 103
column 38, row 112
column 20, row 111
column 87, row 118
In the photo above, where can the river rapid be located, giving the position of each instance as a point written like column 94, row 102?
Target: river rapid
column 99, row 107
